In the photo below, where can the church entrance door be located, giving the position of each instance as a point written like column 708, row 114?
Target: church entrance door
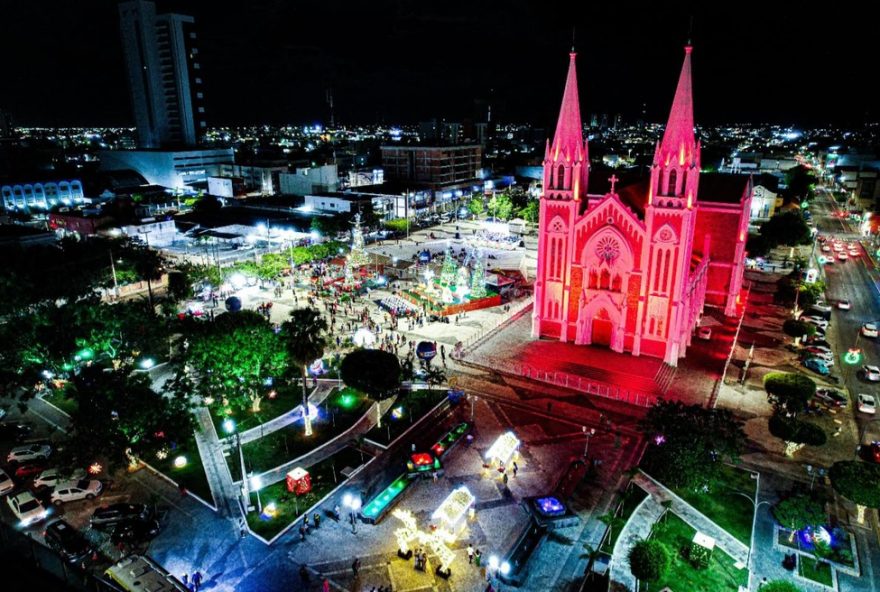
column 602, row 328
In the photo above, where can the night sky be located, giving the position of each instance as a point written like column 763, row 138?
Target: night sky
column 272, row 61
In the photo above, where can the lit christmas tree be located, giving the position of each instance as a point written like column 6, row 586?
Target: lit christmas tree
column 358, row 255
column 447, row 273
column 478, row 277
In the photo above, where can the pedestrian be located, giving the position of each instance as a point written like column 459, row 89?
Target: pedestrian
column 356, row 566
column 504, row 478
column 317, row 520
column 306, row 522
column 515, row 468
column 185, row 580
column 478, row 556
column 302, row 532
column 325, row 585
column 470, row 552
column 197, row 581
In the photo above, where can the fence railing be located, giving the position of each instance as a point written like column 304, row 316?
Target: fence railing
column 515, row 308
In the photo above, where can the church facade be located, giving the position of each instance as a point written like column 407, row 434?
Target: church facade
column 632, row 266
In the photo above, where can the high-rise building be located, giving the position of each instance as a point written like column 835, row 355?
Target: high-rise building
column 164, row 75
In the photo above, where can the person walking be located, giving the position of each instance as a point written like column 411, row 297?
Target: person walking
column 325, row 585
column 470, row 552
column 478, row 556
column 356, row 566
column 302, row 532
column 196, row 581
column 515, row 469
column 185, row 580
column 317, row 518
column 336, row 513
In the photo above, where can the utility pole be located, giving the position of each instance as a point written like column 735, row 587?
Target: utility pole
column 113, row 271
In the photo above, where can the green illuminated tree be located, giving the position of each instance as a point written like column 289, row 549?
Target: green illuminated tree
column 789, row 392
column 799, row 511
column 529, row 213
column 859, row 482
column 476, row 206
column 649, row 560
column 305, row 336
column 501, row 206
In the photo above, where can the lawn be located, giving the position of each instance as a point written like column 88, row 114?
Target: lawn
column 729, row 510
column 342, row 409
column 287, row 398
column 408, row 409
column 192, row 475
column 57, row 398
column 682, row 575
column 813, row 570
column 630, row 500
column 325, row 477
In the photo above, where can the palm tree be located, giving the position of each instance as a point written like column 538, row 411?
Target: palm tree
column 305, row 335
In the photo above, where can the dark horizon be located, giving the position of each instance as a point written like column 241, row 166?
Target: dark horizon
column 272, row 62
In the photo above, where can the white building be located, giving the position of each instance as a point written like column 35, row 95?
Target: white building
column 174, row 169
column 763, row 203
column 305, row 181
column 157, row 233
column 42, row 196
column 257, row 177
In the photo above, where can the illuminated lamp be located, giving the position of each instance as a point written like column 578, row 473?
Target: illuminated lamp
column 452, row 513
column 270, row 510
column 313, row 411
column 503, row 449
column 162, row 454
column 180, row 462
column 397, row 412
column 147, row 363
column 347, row 400
column 853, row 356
column 550, row 506
column 95, row 468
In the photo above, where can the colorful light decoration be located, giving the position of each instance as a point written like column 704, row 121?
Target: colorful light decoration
column 180, row 462
column 299, row 481
column 347, row 400
column 454, row 509
column 853, row 356
column 659, row 439
column 270, row 510
column 313, row 411
column 162, row 454
column 95, row 468
column 317, row 367
column 503, row 449
column 438, row 540
column 550, row 506
column 147, row 363
column 397, row 412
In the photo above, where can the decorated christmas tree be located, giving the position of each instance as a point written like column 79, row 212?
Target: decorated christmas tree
column 478, row 277
column 447, row 273
column 358, row 255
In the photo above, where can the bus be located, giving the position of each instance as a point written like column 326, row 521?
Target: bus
column 138, row 573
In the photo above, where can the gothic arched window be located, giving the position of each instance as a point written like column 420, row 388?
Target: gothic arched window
column 560, row 177
column 671, row 183
column 616, row 283
column 605, row 280
column 594, row 279
column 684, row 178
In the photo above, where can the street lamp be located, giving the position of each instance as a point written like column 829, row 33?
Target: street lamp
column 755, row 505
column 256, row 485
column 353, row 503
column 588, row 433
column 229, row 428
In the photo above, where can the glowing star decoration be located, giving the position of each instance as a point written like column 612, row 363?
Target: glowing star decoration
column 853, row 356
column 397, row 412
column 452, row 513
column 503, row 449
column 95, row 468
column 180, row 462
column 438, row 541
column 162, row 454
column 659, row 439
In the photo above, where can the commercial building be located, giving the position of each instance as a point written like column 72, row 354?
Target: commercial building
column 262, row 177
column 336, row 202
column 438, row 167
column 173, row 169
column 42, row 196
column 164, row 75
column 310, row 180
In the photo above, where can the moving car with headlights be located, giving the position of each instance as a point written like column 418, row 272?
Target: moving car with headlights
column 831, row 397
column 7, row 485
column 869, row 330
column 26, row 508
column 21, row 454
column 73, row 491
column 844, row 305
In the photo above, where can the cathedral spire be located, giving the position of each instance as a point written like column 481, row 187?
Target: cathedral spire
column 679, row 144
column 568, row 143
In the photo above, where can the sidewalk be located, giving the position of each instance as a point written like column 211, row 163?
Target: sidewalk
column 223, row 490
column 316, row 397
column 637, row 528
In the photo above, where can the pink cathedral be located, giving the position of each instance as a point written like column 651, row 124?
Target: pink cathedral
column 633, row 267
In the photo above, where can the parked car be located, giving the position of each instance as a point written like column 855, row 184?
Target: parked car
column 51, row 477
column 7, row 485
column 818, row 366
column 27, row 470
column 826, row 249
column 134, row 532
column 875, row 451
column 871, row 373
column 870, row 330
column 115, row 513
column 827, row 359
column 816, row 340
column 844, row 304
column 67, row 542
column 822, row 306
column 73, row 491
column 704, row 333
column 842, row 256
column 831, row 397
column 817, row 320
column 867, row 403
column 29, row 452
column 16, row 431
column 818, row 349
column 26, row 508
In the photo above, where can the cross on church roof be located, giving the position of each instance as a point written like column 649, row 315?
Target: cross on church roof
column 613, row 180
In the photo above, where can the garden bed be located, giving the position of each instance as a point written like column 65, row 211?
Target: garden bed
column 287, row 398
column 721, row 573
column 726, row 508
column 408, row 409
column 325, row 477
column 819, row 572
column 191, row 475
column 840, row 550
column 340, row 411
column 630, row 501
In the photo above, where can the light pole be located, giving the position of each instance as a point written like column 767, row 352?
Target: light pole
column 229, row 428
column 146, row 234
column 812, row 472
column 755, row 505
column 256, row 484
column 588, row 433
column 353, row 503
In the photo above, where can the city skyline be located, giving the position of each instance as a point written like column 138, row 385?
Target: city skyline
column 384, row 63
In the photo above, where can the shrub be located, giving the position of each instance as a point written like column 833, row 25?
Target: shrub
column 779, row 586
column 799, row 432
column 649, row 560
column 699, row 556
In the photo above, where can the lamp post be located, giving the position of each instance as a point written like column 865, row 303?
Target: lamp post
column 755, row 505
column 229, row 428
column 146, row 235
column 588, row 433
column 256, row 485
column 353, row 503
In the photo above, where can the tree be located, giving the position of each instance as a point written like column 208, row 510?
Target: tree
column 794, row 431
column 305, row 338
column 119, row 417
column 787, row 228
column 859, row 482
column 208, row 204
column 799, row 511
column 501, row 206
column 779, row 586
column 801, row 183
column 398, row 225
column 372, row 371
column 475, row 206
column 530, row 211
column 235, row 357
column 798, row 329
column 758, row 245
column 649, row 560
column 789, row 392
column 689, row 442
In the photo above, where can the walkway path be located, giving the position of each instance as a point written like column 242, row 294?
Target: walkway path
column 637, row 528
column 223, row 490
column 317, row 396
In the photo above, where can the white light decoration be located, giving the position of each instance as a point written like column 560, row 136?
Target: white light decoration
column 363, row 337
column 503, row 449
column 438, row 541
column 180, row 462
column 453, row 512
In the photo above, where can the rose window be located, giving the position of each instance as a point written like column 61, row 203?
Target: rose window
column 607, row 249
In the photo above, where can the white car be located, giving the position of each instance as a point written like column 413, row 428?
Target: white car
column 838, row 247
column 704, row 333
column 72, row 491
column 822, row 306
column 50, row 477
column 844, row 304
column 29, row 452
column 6, row 483
column 871, row 373
column 818, row 321
column 870, row 330
column 867, row 404
column 826, row 249
column 26, row 508
column 853, row 253
column 842, row 256
column 828, row 358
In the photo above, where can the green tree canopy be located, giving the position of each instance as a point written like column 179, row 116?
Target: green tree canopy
column 234, row 357
column 689, row 442
column 476, row 206
column 787, row 228
column 779, row 586
column 857, row 481
column 649, row 560
column 794, row 430
column 372, row 371
column 117, row 412
column 501, row 206
column 798, row 329
column 799, row 511
column 530, row 211
column 789, row 392
column 801, row 183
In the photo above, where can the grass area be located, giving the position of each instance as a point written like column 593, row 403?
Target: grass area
column 325, row 477
column 784, row 538
column 66, row 404
column 340, row 411
column 839, row 552
column 682, row 575
column 192, row 475
column 729, row 510
column 816, row 571
column 287, row 398
column 630, row 501
column 412, row 406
